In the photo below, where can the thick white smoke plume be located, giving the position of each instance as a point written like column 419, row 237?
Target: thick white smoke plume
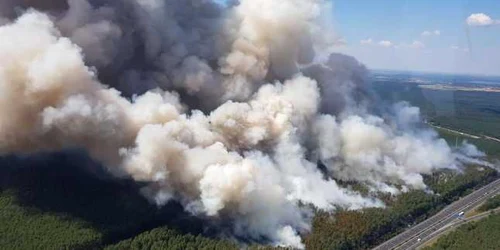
column 269, row 112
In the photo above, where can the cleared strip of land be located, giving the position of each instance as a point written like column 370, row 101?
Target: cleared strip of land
column 485, row 137
column 458, row 88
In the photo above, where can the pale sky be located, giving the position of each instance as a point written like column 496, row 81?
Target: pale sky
column 423, row 35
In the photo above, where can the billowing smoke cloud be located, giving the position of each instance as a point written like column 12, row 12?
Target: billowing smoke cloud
column 226, row 110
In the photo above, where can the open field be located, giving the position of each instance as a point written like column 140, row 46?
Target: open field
column 459, row 88
column 457, row 115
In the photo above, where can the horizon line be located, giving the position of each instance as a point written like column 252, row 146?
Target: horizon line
column 435, row 72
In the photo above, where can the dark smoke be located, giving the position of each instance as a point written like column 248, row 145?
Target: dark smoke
column 225, row 110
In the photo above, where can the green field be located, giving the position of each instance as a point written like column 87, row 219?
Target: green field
column 475, row 113
column 490, row 147
column 491, row 203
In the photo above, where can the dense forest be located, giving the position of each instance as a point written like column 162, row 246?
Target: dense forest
column 369, row 227
column 59, row 203
column 165, row 238
column 481, row 235
column 56, row 202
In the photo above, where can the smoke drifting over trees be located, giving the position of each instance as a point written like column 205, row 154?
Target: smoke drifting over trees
column 227, row 110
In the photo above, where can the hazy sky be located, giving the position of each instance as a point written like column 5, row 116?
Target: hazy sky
column 424, row 35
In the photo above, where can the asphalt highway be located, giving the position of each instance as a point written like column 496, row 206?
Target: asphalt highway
column 450, row 227
column 409, row 239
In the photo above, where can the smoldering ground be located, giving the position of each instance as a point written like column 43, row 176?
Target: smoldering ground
column 224, row 109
